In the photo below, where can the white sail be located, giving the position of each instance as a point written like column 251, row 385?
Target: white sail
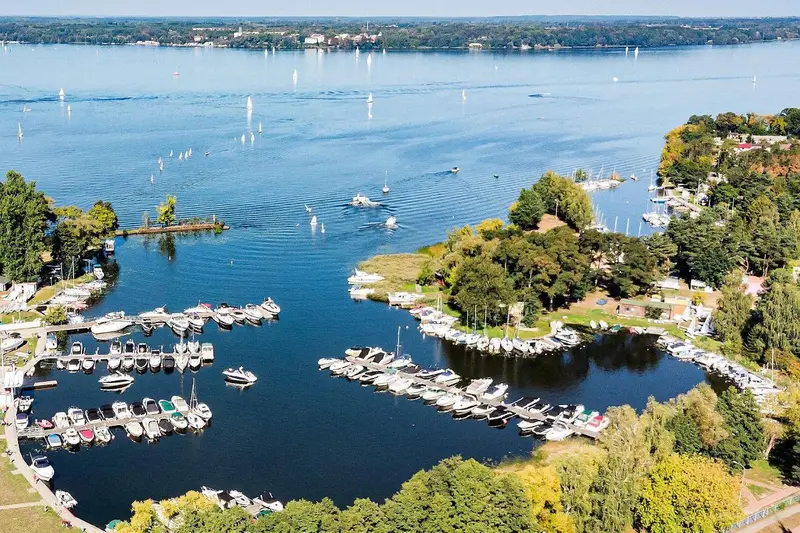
column 636, row 52
column 242, row 138
column 369, row 60
column 19, row 130
column 61, row 94
column 294, row 76
column 626, row 50
column 252, row 137
column 322, row 228
column 357, row 51
column 369, row 98
column 314, row 220
column 190, row 152
column 249, row 103
column 69, row 109
column 170, row 153
column 464, row 94
column 180, row 156
column 259, row 128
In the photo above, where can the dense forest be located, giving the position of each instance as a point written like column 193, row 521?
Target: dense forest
column 675, row 467
column 403, row 34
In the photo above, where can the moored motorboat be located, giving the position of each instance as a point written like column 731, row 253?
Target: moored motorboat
column 433, row 394
column 155, row 360
column 178, row 421
column 76, row 416
column 65, row 499
column 128, row 363
column 196, row 322
column 134, row 429
column 166, row 406
column 178, row 323
column 559, row 431
column 115, row 381
column 121, row 410
column 53, row 440
column 448, row 377
column 44, row 423
column 326, row 362
column 151, row 406
column 482, row 410
column 102, row 435
column 195, row 361
column 42, row 467
column 159, row 314
column 24, row 404
column 61, row 420
column 141, row 363
column 494, row 392
column 270, row 306
column 416, row 390
column 207, row 352
column 114, row 364
column 223, row 320
column 181, row 362
column 151, row 430
column 399, row 386
column 253, row 313
column 203, row 411
column 447, row 401
column 138, row 410
column 168, row 363
column 111, row 323
column 86, row 435
column 195, row 421
column 71, row 437
column 87, row 365
column 180, row 404
column 21, row 421
column 165, row 426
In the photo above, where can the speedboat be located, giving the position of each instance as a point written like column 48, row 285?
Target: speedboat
column 199, row 309
column 598, row 423
column 495, row 392
column 128, row 363
column 207, row 352
column 430, row 374
column 270, row 306
column 195, row 421
column 506, row 344
column 447, row 401
column 155, row 360
column 339, row 365
column 11, row 342
column 178, row 421
column 416, row 390
column 65, row 499
column 51, row 342
column 168, row 363
column 385, row 380
column 151, row 406
column 73, row 365
column 86, row 435
column 42, row 467
column 465, row 405
column 196, row 322
column 138, row 410
column 116, row 347
column 559, row 431
column 359, row 200
column 134, row 429
column 223, row 320
column 352, row 372
column 448, row 377
column 107, row 412
column 433, row 394
column 54, row 440
column 76, row 348
column 237, row 314
column 93, row 415
column 111, row 323
column 114, row 364
column 24, row 404
column 87, row 365
column 44, row 423
column 252, row 313
column 165, row 426
column 151, row 430
column 360, row 278
column 454, row 170
column 141, row 363
column 102, row 435
column 326, row 362
column 500, row 416
column 21, row 421
column 180, row 404
column 401, row 385
column 159, row 314
column 267, row 501
column 526, row 427
column 71, row 437
column 115, row 381
column 166, row 406
column 369, row 376
column 391, row 222
column 121, row 410
column 178, row 323
column 203, row 411
column 478, row 386
column 76, row 416
column 569, row 413
column 482, row 410
column 61, row 420
column 195, row 361
column 520, row 346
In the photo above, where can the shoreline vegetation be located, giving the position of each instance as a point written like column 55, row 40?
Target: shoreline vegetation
column 198, row 226
column 496, row 34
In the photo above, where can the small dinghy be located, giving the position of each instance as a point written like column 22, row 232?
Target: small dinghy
column 65, row 499
column 239, row 376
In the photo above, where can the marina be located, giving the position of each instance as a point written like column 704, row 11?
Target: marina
column 322, row 148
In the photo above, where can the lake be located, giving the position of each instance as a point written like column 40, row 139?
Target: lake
column 298, row 432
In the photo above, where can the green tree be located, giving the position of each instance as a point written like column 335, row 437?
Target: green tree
column 75, row 233
column 527, row 211
column 564, row 198
column 55, row 315
column 663, row 250
column 24, row 214
column 302, row 516
column 635, row 272
column 687, row 435
column 688, row 493
column 776, row 321
column 480, row 284
column 104, row 213
column 746, row 442
column 166, row 211
column 733, row 310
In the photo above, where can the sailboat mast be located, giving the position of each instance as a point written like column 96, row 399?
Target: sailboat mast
column 397, row 349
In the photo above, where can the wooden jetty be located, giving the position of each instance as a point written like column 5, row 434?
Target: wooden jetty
column 518, row 411
column 179, row 228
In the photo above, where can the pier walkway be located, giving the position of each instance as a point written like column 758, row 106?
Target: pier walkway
column 518, row 411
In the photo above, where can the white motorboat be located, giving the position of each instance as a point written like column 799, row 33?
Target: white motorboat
column 478, row 386
column 448, row 400
column 520, row 346
column 448, row 377
column 360, row 278
column 71, row 437
column 399, row 386
column 180, row 404
column 24, row 404
column 196, row 322
column 482, row 410
column 178, row 323
column 87, row 365
column 495, row 392
column 116, row 347
column 238, row 315
column 195, row 421
column 429, row 374
column 102, row 435
column 21, row 421
column 360, row 200
column 416, row 390
column 134, row 429
column 42, row 467
column 206, row 352
column 267, row 501
column 527, row 426
column 97, row 270
column 195, row 361
column 357, row 292
column 326, row 362
column 385, row 380
column 199, row 309
column 401, row 363
column 270, row 306
column 352, row 372
column 391, row 222
column 338, row 366
column 465, row 405
column 224, row 320
column 203, row 411
column 240, row 376
column 11, row 342
column 65, row 499
column 128, row 363
column 454, row 170
column 51, row 343
column 121, row 410
column 159, row 314
column 193, row 346
column 115, row 381
column 253, row 313
column 151, row 430
column 76, row 416
column 506, row 344
column 559, row 431
column 155, row 360
column 433, row 394
column 61, row 420
column 73, row 365
column 111, row 323
column 383, row 359
column 178, row 421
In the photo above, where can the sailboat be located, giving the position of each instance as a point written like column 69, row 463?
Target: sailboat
column 266, row 52
column 636, row 53
column 273, row 50
column 369, row 98
column 252, row 137
column 754, row 79
column 384, row 51
column 249, row 104
column 190, row 153
column 259, row 128
column 19, row 131
column 314, row 220
column 152, row 178
column 322, row 228
column 464, row 95
column 652, row 185
column 170, row 153
column 294, row 77
column 69, row 109
column 357, row 51
column 243, row 138
column 180, row 156
column 626, row 50
column 61, row 94
column 369, row 60
column 386, row 183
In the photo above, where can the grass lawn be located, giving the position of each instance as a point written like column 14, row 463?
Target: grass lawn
column 48, row 291
column 13, row 488
column 30, row 519
column 400, row 271
column 764, row 472
column 25, row 316
column 757, row 490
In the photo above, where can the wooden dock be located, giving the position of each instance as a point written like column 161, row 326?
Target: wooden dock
column 518, row 411
column 35, row 432
column 178, row 228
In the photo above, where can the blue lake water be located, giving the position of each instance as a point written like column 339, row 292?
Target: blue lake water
column 297, row 432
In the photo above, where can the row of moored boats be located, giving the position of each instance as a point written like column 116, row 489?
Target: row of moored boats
column 479, row 399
